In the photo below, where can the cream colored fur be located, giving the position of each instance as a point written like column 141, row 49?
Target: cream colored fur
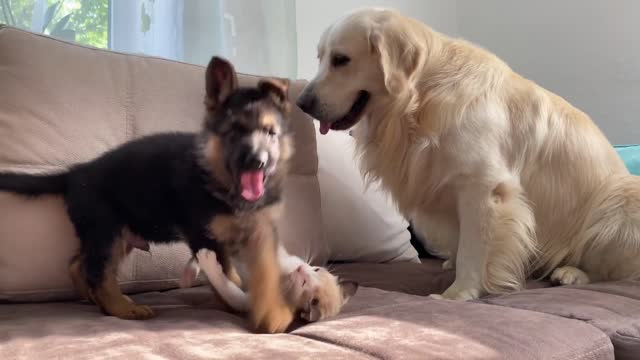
column 507, row 177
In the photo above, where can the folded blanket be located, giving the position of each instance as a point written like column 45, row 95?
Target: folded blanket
column 630, row 154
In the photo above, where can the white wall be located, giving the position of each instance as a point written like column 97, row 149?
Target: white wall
column 587, row 51
column 313, row 16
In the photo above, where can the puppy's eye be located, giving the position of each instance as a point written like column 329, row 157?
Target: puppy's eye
column 316, row 269
column 239, row 128
column 271, row 132
column 338, row 60
column 315, row 302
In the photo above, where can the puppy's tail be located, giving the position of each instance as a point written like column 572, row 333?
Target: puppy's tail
column 33, row 185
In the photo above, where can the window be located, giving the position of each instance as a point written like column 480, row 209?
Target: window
column 258, row 36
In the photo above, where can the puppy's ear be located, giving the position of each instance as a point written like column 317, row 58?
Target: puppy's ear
column 278, row 89
column 221, row 81
column 347, row 289
column 398, row 54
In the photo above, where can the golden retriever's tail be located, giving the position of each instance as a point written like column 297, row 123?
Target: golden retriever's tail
column 608, row 245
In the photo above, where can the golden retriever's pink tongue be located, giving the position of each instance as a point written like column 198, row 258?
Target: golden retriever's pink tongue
column 324, row 128
column 252, row 185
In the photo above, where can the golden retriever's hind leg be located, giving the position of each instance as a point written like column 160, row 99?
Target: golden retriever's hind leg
column 497, row 241
column 512, row 238
column 611, row 228
column 269, row 312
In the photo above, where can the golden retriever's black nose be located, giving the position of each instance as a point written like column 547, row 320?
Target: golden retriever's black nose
column 306, row 102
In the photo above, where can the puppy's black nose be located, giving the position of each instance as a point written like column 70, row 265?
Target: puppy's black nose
column 255, row 164
column 255, row 161
column 306, row 102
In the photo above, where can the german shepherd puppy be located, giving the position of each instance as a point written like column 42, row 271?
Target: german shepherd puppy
column 218, row 189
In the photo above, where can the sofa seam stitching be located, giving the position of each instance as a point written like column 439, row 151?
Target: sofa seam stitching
column 317, row 338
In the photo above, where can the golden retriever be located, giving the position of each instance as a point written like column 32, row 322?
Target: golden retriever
column 505, row 176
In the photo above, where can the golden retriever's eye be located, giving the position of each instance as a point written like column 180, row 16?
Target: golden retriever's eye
column 315, row 302
column 338, row 60
column 316, row 269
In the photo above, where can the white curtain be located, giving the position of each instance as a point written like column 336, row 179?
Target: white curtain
column 152, row 27
column 258, row 36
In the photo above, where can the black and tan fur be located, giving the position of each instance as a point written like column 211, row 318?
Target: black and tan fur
column 179, row 186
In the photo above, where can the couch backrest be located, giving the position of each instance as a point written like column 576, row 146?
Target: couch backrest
column 62, row 103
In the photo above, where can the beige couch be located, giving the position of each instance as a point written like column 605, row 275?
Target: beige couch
column 62, row 103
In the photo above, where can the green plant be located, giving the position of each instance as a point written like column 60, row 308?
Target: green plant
column 58, row 29
column 85, row 21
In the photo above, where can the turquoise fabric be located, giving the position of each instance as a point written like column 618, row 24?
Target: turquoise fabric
column 630, row 154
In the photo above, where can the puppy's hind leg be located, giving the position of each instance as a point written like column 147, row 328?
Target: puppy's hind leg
column 78, row 278
column 101, row 252
column 104, row 290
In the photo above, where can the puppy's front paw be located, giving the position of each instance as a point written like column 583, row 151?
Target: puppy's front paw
column 137, row 312
column 569, row 275
column 131, row 311
column 274, row 320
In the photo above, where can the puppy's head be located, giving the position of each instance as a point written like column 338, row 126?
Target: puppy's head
column 246, row 137
column 365, row 58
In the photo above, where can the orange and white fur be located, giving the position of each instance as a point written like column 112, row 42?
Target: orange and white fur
column 312, row 291
column 506, row 177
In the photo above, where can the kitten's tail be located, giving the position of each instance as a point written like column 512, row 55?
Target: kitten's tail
column 33, row 185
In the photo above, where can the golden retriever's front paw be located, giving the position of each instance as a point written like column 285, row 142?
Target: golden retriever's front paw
column 456, row 293
column 569, row 275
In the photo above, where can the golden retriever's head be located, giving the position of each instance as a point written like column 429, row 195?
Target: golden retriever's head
column 365, row 58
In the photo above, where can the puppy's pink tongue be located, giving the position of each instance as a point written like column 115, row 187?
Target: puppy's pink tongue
column 324, row 128
column 252, row 185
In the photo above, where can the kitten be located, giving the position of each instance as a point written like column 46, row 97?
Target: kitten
column 313, row 291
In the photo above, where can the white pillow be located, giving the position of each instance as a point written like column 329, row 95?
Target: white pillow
column 358, row 224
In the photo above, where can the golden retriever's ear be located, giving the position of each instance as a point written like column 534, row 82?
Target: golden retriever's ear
column 398, row 55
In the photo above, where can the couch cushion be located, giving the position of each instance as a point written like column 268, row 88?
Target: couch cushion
column 61, row 104
column 360, row 224
column 375, row 324
column 630, row 154
column 612, row 307
column 424, row 278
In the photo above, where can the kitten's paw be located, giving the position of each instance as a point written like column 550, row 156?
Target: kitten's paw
column 208, row 262
column 206, row 256
column 449, row 264
column 189, row 275
column 569, row 275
